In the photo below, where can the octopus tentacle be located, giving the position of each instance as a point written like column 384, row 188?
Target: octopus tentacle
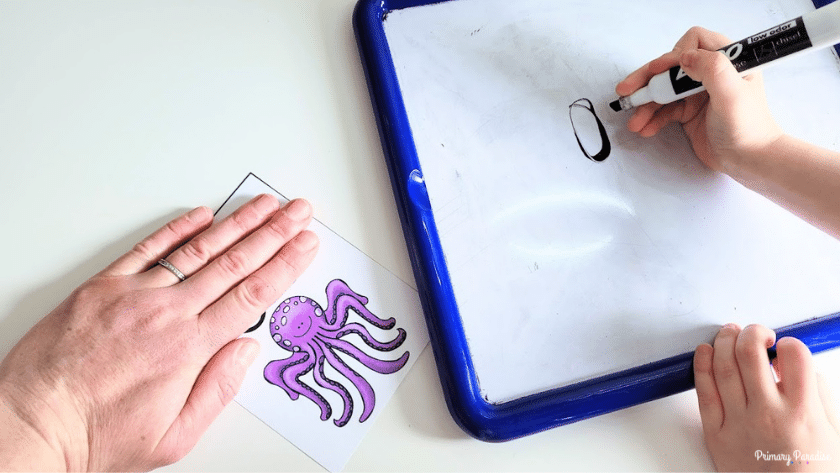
column 342, row 307
column 327, row 383
column 327, row 344
column 273, row 372
column 335, row 289
column 365, row 389
column 366, row 337
column 286, row 374
column 380, row 366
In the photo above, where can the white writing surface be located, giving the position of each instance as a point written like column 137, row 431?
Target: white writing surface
column 565, row 268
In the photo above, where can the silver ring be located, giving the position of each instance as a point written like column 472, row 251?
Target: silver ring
column 172, row 268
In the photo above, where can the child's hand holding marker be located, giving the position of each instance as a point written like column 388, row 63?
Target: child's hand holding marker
column 751, row 420
column 732, row 120
column 732, row 131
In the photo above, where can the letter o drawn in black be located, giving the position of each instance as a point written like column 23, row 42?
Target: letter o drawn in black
column 605, row 140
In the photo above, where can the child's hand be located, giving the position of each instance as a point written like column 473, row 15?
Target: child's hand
column 753, row 423
column 725, row 125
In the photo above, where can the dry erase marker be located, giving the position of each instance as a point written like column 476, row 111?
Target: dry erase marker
column 809, row 32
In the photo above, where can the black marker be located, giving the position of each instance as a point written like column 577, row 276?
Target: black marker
column 809, row 32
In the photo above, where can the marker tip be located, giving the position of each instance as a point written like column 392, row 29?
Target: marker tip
column 615, row 105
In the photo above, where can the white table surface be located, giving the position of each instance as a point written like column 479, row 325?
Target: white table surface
column 117, row 116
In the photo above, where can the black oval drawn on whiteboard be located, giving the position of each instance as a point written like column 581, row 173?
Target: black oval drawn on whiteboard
column 605, row 140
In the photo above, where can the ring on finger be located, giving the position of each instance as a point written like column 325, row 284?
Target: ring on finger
column 171, row 267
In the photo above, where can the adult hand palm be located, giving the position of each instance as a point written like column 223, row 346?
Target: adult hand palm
column 130, row 370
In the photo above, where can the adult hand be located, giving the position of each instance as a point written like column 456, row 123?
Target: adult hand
column 725, row 125
column 131, row 369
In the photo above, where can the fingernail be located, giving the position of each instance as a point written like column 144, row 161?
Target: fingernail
column 265, row 204
column 306, row 240
column 248, row 352
column 298, row 209
column 198, row 214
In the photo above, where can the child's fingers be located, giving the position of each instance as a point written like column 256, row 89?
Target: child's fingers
column 693, row 39
column 708, row 399
column 775, row 363
column 672, row 112
column 715, row 71
column 642, row 116
column 796, row 370
column 754, row 364
column 828, row 403
column 727, row 375
column 641, row 76
column 701, row 38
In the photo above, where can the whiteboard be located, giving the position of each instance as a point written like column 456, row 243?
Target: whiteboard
column 563, row 268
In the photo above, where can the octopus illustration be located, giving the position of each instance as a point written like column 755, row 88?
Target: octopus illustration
column 316, row 336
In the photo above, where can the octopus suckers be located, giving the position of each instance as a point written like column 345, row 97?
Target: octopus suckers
column 316, row 337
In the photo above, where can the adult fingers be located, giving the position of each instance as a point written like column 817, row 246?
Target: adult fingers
column 235, row 312
column 215, row 387
column 708, row 399
column 754, row 364
column 796, row 369
column 727, row 374
column 222, row 274
column 197, row 252
column 160, row 243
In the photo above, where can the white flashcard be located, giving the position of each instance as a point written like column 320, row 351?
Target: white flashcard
column 335, row 347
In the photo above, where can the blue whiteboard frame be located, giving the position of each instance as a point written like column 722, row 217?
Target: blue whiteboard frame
column 533, row 413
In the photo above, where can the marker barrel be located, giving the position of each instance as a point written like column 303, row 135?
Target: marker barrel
column 814, row 30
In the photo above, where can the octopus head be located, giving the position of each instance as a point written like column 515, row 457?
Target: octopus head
column 294, row 322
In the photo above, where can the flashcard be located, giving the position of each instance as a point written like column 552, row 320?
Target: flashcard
column 335, row 347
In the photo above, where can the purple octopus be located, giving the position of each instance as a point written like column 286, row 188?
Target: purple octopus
column 316, row 336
